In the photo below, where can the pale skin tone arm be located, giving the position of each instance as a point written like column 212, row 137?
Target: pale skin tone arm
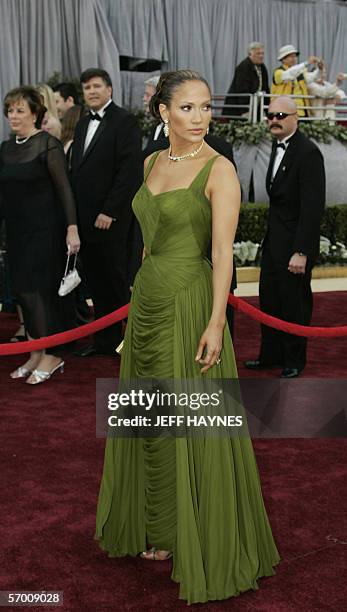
column 223, row 191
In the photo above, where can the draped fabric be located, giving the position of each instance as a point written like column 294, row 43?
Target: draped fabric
column 198, row 496
column 38, row 37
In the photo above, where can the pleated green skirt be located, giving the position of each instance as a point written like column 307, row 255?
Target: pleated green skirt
column 199, row 497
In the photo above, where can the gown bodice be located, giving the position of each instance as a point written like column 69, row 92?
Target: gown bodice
column 175, row 224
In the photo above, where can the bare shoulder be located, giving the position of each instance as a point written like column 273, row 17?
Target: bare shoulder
column 222, row 172
column 223, row 167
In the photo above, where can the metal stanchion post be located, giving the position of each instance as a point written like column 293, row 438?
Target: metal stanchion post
column 254, row 106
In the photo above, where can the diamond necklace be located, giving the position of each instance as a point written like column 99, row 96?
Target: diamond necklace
column 177, row 158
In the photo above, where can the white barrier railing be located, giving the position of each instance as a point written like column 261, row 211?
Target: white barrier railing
column 219, row 103
column 255, row 107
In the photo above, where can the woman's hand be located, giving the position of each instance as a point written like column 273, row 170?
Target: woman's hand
column 210, row 343
column 73, row 242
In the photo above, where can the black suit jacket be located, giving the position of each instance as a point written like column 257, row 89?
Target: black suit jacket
column 245, row 80
column 106, row 177
column 297, row 200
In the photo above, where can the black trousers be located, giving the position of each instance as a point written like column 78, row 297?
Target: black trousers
column 230, row 319
column 106, row 275
column 287, row 296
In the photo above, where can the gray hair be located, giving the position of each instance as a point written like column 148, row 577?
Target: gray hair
column 153, row 81
column 255, row 45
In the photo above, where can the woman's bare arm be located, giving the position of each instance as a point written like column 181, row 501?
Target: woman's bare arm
column 223, row 190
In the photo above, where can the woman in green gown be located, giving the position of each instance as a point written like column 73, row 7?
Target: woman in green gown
column 197, row 499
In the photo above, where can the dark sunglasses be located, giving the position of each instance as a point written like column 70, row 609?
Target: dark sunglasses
column 278, row 116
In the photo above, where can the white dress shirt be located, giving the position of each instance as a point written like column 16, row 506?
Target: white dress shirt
column 292, row 73
column 93, row 125
column 280, row 152
column 158, row 129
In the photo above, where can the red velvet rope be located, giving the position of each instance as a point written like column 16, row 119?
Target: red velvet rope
column 90, row 328
column 67, row 336
column 291, row 328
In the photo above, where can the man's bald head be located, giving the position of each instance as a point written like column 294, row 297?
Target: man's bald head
column 284, row 104
column 283, row 127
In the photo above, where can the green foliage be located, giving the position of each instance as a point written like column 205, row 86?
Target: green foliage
column 323, row 131
column 253, row 222
column 238, row 132
column 341, row 224
column 145, row 121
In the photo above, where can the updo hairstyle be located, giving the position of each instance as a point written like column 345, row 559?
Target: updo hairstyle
column 167, row 85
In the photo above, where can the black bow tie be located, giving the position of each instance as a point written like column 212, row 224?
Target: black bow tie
column 94, row 116
column 280, row 145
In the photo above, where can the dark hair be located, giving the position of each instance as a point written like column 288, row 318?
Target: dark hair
column 31, row 96
column 96, row 72
column 69, row 122
column 66, row 91
column 167, row 85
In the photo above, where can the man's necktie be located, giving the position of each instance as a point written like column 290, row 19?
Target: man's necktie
column 94, row 116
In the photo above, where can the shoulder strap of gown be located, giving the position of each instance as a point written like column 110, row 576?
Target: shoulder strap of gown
column 202, row 177
column 151, row 164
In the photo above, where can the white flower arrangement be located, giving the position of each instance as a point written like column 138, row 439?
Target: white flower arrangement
column 332, row 253
column 246, row 251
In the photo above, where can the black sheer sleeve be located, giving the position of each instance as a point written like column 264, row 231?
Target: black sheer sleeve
column 56, row 163
column 1, row 198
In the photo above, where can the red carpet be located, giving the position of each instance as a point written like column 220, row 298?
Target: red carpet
column 51, row 465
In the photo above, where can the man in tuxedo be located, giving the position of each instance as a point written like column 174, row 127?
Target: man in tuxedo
column 296, row 185
column 250, row 76
column 106, row 169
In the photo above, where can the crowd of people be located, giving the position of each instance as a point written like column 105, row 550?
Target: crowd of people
column 72, row 179
column 291, row 77
column 93, row 152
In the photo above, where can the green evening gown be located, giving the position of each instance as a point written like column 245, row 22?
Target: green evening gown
column 199, row 497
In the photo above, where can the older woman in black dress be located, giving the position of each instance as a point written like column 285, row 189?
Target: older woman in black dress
column 38, row 207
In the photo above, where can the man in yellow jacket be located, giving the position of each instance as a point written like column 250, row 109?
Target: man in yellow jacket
column 291, row 78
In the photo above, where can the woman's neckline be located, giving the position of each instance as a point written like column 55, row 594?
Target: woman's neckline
column 28, row 138
column 154, row 195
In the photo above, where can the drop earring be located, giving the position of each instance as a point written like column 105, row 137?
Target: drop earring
column 166, row 128
column 207, row 130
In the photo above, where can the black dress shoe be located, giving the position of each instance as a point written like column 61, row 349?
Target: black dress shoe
column 256, row 364
column 87, row 351
column 290, row 372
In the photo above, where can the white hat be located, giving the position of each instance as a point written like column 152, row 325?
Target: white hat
column 286, row 50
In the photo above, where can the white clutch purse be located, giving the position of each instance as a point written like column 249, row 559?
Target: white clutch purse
column 70, row 279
